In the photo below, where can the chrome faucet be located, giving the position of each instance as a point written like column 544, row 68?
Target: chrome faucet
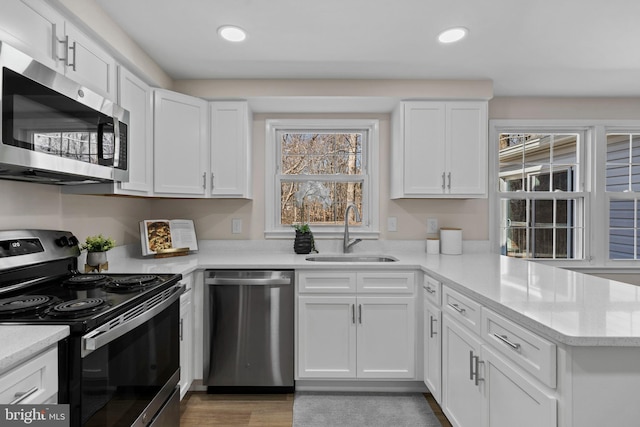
column 346, row 243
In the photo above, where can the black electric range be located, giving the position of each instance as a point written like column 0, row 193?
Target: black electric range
column 120, row 364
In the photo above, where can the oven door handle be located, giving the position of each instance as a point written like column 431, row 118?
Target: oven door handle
column 104, row 335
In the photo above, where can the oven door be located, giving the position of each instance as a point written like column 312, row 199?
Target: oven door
column 130, row 372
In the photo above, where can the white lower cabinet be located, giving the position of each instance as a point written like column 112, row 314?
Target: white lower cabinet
column 462, row 388
column 355, row 336
column 511, row 398
column 432, row 349
column 35, row 381
column 186, row 337
column 488, row 382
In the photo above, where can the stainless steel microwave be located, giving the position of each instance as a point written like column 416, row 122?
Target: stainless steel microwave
column 55, row 130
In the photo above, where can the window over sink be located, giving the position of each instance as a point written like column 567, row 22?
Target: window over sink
column 315, row 169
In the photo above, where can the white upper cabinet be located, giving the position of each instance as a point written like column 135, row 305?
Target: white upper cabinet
column 40, row 31
column 29, row 27
column 87, row 63
column 230, row 149
column 180, row 145
column 136, row 96
column 439, row 149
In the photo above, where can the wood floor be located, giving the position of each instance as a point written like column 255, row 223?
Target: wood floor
column 264, row 410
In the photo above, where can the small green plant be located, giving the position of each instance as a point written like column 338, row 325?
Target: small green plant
column 302, row 228
column 98, row 243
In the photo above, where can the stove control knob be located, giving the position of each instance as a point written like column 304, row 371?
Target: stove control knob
column 62, row 241
column 73, row 241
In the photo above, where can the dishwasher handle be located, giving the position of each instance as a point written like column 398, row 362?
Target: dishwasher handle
column 248, row 281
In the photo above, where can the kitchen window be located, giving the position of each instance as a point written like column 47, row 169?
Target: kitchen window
column 542, row 202
column 314, row 169
column 622, row 186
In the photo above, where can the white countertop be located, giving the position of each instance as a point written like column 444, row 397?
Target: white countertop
column 21, row 342
column 568, row 307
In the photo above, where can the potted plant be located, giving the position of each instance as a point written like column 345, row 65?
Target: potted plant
column 97, row 247
column 304, row 242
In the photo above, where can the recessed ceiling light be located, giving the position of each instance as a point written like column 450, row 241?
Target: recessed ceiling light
column 232, row 33
column 452, row 35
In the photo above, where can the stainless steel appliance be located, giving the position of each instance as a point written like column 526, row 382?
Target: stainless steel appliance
column 120, row 366
column 248, row 328
column 54, row 130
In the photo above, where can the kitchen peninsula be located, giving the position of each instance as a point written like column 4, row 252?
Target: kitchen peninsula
column 577, row 357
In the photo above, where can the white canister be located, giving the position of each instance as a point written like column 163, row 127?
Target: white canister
column 433, row 245
column 451, row 241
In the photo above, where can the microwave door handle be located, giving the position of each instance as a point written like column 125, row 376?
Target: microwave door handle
column 101, row 160
column 116, row 146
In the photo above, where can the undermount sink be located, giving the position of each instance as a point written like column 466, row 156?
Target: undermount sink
column 351, row 258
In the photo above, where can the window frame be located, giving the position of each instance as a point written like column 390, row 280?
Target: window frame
column 584, row 159
column 371, row 188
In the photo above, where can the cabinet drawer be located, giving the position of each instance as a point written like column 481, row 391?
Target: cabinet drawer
column 432, row 290
column 461, row 308
column 314, row 282
column 36, row 380
column 531, row 352
column 391, row 283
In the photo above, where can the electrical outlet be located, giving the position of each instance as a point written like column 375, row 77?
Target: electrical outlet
column 392, row 223
column 236, row 226
column 432, row 225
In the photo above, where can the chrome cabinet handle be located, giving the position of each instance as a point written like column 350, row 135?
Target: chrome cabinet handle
column 73, row 48
column 474, row 363
column 432, row 332
column 181, row 323
column 360, row 313
column 442, row 181
column 54, row 45
column 449, row 181
column 204, row 180
column 457, row 308
column 22, row 395
column 213, row 177
column 353, row 314
column 505, row 339
column 430, row 289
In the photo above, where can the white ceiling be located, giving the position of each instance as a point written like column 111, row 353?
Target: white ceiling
column 527, row 47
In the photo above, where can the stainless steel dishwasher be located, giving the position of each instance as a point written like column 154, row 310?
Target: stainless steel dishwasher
column 248, row 331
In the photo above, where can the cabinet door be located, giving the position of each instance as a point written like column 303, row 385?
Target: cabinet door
column 433, row 349
column 89, row 64
column 512, row 399
column 180, row 144
column 326, row 337
column 186, row 342
column 136, row 96
column 28, row 26
column 466, row 148
column 386, row 337
column 424, row 148
column 462, row 398
column 230, row 149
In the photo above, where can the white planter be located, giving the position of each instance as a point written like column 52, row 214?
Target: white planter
column 96, row 259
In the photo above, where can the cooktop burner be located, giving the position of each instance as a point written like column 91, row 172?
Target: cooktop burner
column 77, row 307
column 86, row 281
column 25, row 304
column 130, row 283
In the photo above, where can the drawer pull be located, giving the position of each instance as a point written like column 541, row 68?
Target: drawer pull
column 22, row 395
column 457, row 308
column 505, row 340
column 430, row 290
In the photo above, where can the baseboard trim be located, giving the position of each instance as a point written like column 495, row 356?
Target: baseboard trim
column 362, row 386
